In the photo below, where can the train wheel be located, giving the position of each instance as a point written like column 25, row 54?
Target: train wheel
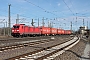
column 21, row 36
column 17, row 36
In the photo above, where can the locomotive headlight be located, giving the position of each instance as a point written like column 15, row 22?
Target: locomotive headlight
column 17, row 30
column 12, row 30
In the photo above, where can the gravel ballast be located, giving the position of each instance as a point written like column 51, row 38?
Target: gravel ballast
column 78, row 48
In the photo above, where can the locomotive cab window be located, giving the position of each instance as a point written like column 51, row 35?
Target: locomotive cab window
column 15, row 26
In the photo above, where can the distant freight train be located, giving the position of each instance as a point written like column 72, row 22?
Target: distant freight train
column 24, row 30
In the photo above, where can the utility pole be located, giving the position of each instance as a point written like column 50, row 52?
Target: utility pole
column 48, row 22
column 52, row 24
column 83, row 22
column 71, row 25
column 87, row 24
column 17, row 20
column 6, row 28
column 9, row 21
column 43, row 22
column 38, row 22
column 4, row 25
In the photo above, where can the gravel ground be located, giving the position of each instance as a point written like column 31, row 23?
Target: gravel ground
column 1, row 37
column 79, row 49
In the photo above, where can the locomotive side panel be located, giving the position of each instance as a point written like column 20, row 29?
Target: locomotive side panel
column 31, row 29
column 26, row 30
column 37, row 30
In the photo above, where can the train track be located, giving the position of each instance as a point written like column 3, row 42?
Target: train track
column 21, row 44
column 25, row 47
column 47, row 53
column 15, row 43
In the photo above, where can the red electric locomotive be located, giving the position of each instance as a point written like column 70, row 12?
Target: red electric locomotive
column 23, row 30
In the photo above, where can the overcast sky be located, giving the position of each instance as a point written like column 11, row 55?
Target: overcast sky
column 58, row 12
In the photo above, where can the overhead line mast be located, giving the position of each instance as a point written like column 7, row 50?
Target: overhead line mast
column 9, row 21
column 17, row 20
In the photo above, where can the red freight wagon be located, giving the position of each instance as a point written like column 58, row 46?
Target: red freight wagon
column 45, row 30
column 67, row 32
column 59, row 31
column 62, row 31
column 53, row 31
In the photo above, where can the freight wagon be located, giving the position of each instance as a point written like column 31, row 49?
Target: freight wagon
column 53, row 31
column 45, row 30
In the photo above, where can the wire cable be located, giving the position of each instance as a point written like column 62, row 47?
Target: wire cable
column 40, row 8
column 68, row 7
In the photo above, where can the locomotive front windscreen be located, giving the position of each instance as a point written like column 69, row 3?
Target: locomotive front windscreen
column 15, row 26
